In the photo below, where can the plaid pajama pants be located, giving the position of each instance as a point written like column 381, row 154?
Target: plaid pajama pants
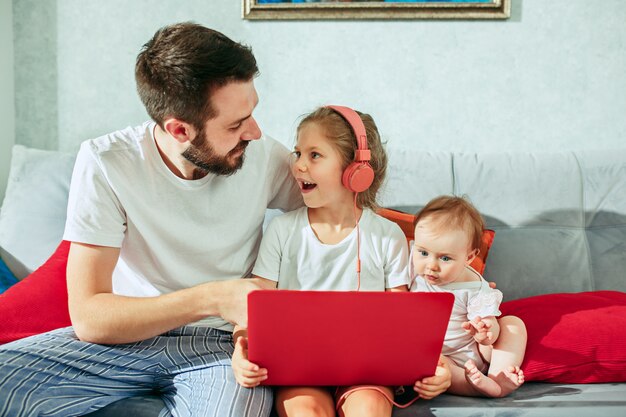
column 55, row 374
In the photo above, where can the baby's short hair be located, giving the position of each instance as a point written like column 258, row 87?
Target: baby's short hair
column 454, row 212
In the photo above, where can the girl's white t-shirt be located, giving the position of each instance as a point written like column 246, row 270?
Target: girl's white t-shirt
column 292, row 254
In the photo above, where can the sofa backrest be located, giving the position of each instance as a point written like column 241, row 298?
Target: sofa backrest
column 559, row 218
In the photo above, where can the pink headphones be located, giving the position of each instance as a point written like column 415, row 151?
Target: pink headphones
column 359, row 175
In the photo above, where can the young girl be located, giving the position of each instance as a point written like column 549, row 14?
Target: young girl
column 448, row 232
column 318, row 246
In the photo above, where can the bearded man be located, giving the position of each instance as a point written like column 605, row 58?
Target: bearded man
column 165, row 219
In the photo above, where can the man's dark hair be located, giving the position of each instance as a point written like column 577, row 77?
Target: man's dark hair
column 180, row 67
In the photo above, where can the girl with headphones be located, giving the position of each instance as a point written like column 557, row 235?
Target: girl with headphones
column 337, row 242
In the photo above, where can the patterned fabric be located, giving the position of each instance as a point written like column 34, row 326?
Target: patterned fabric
column 55, row 374
column 485, row 302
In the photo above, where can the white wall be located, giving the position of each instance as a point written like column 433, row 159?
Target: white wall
column 7, row 96
column 552, row 77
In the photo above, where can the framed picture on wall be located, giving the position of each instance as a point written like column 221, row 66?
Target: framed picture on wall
column 375, row 9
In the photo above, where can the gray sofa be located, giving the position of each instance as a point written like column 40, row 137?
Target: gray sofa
column 560, row 223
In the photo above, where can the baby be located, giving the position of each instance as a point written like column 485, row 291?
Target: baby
column 448, row 234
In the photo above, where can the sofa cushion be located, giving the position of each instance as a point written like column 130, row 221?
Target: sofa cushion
column 34, row 207
column 406, row 223
column 573, row 337
column 38, row 303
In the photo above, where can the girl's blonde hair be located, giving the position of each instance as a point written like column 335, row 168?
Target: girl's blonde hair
column 339, row 131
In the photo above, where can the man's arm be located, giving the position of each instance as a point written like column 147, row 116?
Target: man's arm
column 99, row 316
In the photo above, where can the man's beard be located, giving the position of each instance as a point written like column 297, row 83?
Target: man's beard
column 203, row 156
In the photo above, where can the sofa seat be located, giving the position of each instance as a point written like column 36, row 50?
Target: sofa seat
column 533, row 399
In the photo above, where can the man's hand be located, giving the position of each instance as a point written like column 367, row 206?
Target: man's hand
column 430, row 387
column 233, row 306
column 247, row 374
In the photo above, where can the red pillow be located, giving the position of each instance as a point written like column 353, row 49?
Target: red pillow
column 38, row 303
column 573, row 338
column 406, row 223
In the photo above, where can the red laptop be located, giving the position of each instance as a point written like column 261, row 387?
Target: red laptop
column 346, row 338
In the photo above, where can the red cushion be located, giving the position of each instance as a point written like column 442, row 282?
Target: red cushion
column 479, row 261
column 38, row 303
column 573, row 338
column 406, row 222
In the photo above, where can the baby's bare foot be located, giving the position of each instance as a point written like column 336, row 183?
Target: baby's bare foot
column 499, row 385
column 481, row 382
column 509, row 380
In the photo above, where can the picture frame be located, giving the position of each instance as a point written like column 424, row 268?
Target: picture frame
column 375, row 9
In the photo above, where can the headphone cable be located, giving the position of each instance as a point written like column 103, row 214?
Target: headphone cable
column 358, row 246
column 374, row 388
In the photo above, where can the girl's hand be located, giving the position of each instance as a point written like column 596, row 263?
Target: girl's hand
column 247, row 374
column 430, row 387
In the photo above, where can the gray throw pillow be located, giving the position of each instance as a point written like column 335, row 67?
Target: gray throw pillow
column 33, row 212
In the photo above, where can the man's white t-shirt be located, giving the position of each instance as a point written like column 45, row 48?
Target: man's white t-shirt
column 292, row 254
column 174, row 233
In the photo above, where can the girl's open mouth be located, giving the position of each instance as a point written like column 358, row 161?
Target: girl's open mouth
column 307, row 186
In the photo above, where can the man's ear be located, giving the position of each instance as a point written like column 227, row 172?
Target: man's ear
column 472, row 255
column 179, row 130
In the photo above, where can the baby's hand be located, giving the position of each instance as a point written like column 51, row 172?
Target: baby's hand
column 247, row 374
column 480, row 330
